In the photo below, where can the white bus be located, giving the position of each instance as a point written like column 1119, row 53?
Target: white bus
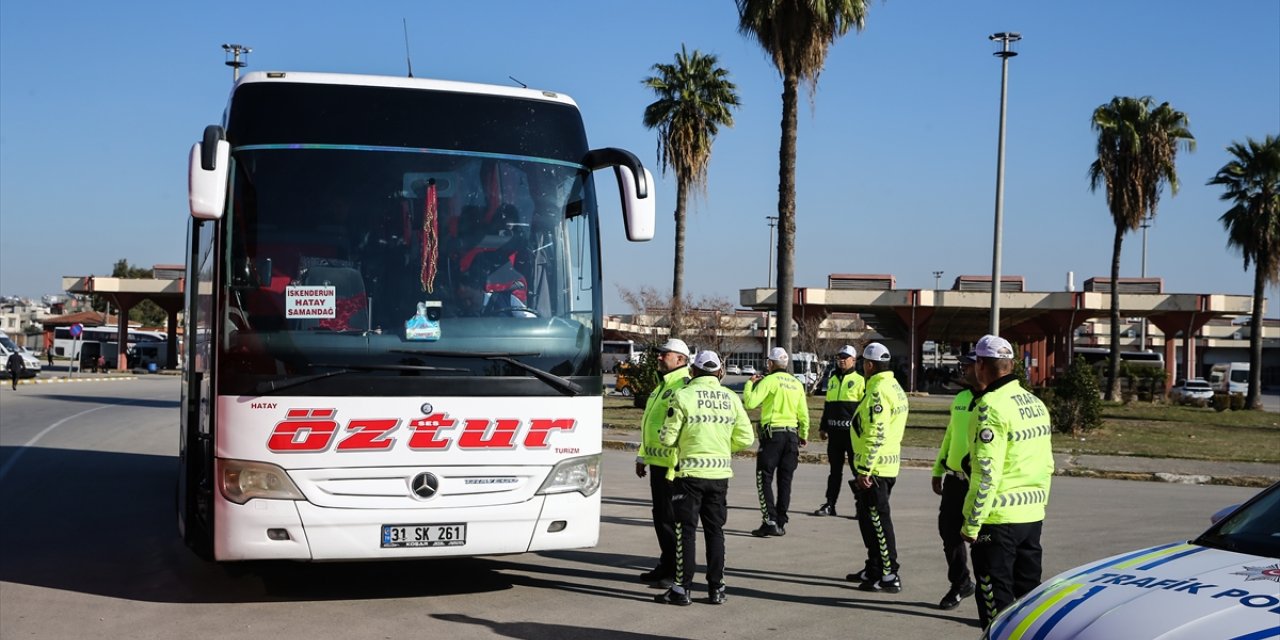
column 394, row 321
column 613, row 353
column 1096, row 355
column 103, row 339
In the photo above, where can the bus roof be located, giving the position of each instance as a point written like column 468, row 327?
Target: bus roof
column 309, row 77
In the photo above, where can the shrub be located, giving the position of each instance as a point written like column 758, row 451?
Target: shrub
column 1076, row 406
column 1237, row 402
column 642, row 376
column 1221, row 402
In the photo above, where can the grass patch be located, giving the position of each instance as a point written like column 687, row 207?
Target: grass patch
column 1138, row 429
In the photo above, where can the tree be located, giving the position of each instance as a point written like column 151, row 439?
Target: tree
column 695, row 98
column 797, row 35
column 708, row 322
column 1137, row 154
column 1252, row 182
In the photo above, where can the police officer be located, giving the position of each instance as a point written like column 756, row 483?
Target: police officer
column 784, row 428
column 705, row 425
column 952, row 483
column 1012, row 463
column 877, row 445
column 673, row 364
column 844, row 392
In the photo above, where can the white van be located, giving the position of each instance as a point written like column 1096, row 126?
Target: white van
column 29, row 360
column 1230, row 377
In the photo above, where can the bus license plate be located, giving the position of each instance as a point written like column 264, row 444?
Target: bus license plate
column 423, row 535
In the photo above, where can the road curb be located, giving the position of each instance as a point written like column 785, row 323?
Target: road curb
column 1071, row 471
column 66, row 381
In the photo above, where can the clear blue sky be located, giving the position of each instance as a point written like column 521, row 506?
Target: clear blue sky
column 100, row 102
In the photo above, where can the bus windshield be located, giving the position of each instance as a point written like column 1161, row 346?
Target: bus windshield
column 398, row 255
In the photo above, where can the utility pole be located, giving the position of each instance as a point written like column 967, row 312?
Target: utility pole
column 1004, row 54
column 768, row 284
column 235, row 51
column 1146, row 222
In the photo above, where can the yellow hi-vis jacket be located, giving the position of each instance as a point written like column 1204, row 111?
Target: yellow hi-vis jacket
column 1011, row 458
column 706, row 425
column 652, row 451
column 877, row 433
column 955, row 442
column 783, row 399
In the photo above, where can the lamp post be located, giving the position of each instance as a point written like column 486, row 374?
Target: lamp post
column 768, row 284
column 1146, row 223
column 937, row 279
column 235, row 51
column 1004, row 54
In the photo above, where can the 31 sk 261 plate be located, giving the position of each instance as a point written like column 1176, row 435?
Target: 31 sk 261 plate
column 452, row 534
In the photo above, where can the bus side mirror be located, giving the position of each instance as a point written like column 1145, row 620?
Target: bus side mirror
column 635, row 185
column 207, row 175
column 637, row 213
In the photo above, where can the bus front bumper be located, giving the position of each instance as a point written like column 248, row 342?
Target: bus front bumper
column 265, row 529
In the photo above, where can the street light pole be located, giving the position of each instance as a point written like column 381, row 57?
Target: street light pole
column 235, row 51
column 1004, row 54
column 768, row 284
column 1146, row 222
column 773, row 222
column 937, row 279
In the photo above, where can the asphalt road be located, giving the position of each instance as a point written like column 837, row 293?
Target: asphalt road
column 89, row 549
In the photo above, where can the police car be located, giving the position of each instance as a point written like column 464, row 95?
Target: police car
column 1224, row 584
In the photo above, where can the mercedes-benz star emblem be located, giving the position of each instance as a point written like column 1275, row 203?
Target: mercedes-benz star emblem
column 425, row 485
column 426, row 408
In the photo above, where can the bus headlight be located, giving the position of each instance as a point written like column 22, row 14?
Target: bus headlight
column 242, row 481
column 575, row 474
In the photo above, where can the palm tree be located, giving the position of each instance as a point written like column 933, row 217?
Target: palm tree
column 1138, row 145
column 797, row 35
column 1252, row 182
column 695, row 98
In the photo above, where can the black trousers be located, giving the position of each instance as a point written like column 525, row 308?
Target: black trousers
column 839, row 453
column 694, row 499
column 14, row 374
column 1006, row 561
column 950, row 520
column 664, row 519
column 779, row 453
column 876, row 526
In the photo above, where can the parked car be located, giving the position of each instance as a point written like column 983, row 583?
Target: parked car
column 1191, row 390
column 31, row 364
column 733, row 370
column 748, row 370
column 1220, row 585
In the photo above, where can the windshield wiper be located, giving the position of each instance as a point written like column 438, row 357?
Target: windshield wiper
column 563, row 385
column 272, row 386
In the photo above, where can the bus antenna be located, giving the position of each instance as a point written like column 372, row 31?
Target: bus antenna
column 513, row 79
column 408, row 60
